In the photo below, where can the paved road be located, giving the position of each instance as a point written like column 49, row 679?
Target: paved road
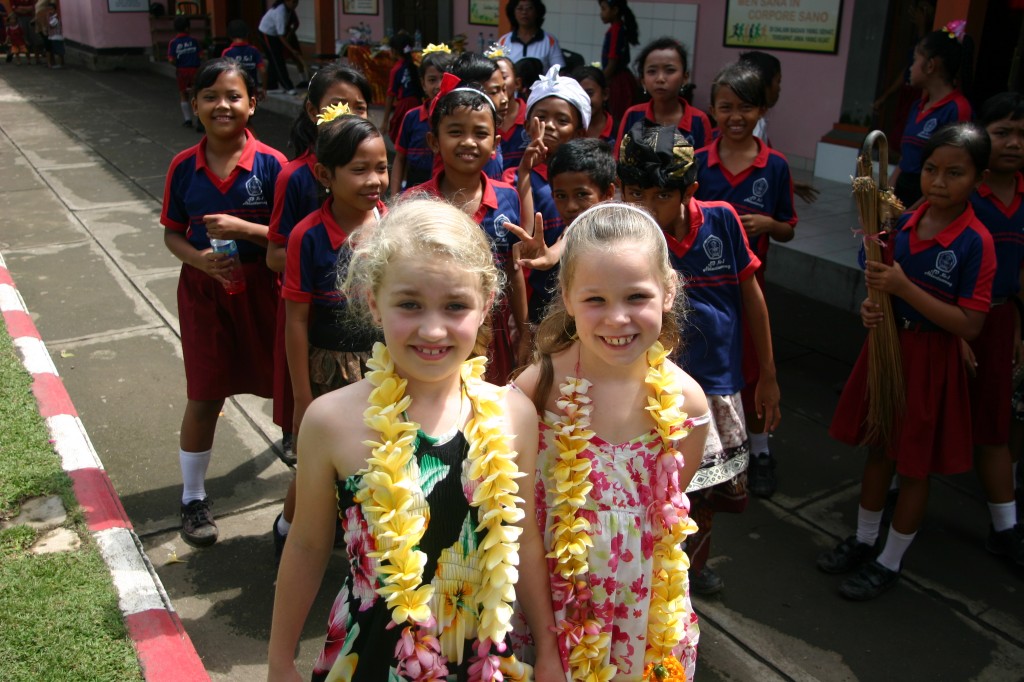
column 83, row 158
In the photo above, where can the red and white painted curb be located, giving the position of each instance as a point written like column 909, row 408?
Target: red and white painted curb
column 161, row 643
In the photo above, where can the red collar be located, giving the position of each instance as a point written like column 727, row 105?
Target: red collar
column 245, row 161
column 520, row 120
column 541, row 169
column 609, row 126
column 334, row 231
column 240, row 43
column 487, row 200
column 945, row 100
column 760, row 161
column 696, row 217
column 986, row 192
column 685, row 121
column 424, row 112
column 948, row 234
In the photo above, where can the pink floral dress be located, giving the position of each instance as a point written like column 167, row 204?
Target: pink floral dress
column 621, row 558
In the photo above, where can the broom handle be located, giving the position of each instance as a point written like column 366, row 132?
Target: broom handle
column 873, row 139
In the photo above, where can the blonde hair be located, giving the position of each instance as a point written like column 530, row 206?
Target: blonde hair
column 421, row 228
column 602, row 228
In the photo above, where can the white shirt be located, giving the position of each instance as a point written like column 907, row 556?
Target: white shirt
column 275, row 21
column 545, row 49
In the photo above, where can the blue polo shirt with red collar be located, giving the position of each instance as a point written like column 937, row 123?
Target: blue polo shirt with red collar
column 318, row 257
column 615, row 46
column 1006, row 225
column 403, row 82
column 498, row 205
column 296, row 195
column 956, row 267
column 608, row 132
column 714, row 258
column 542, row 282
column 183, row 50
column 248, row 56
column 515, row 139
column 693, row 124
column 763, row 188
column 412, row 141
column 192, row 191
column 952, row 108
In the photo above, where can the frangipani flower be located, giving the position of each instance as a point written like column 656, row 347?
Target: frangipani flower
column 329, row 113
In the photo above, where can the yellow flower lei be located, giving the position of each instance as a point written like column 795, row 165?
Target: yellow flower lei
column 396, row 512
column 571, row 532
column 332, row 112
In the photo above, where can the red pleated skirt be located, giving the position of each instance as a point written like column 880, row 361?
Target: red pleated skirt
column 227, row 340
column 935, row 432
column 992, row 387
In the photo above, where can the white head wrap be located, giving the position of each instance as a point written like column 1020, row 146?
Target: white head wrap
column 553, row 85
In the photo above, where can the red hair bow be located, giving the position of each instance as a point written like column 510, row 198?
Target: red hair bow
column 449, row 82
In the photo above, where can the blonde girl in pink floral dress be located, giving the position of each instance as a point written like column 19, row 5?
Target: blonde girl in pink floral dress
column 637, row 425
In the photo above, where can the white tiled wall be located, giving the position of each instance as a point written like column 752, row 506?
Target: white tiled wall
column 577, row 25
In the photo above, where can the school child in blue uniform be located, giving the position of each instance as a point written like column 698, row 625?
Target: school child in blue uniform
column 325, row 350
column 708, row 246
column 296, row 195
column 184, row 52
column 558, row 111
column 221, row 188
column 512, row 129
column 998, row 204
column 593, row 82
column 463, row 124
column 938, row 59
column 476, row 71
column 582, row 174
column 663, row 73
column 742, row 170
column 246, row 54
column 414, row 161
column 940, row 279
column 404, row 91
column 622, row 32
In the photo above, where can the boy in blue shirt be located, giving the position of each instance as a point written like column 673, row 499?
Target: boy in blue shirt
column 247, row 54
column 184, row 52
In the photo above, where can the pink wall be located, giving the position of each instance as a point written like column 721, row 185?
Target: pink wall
column 88, row 22
column 812, row 84
column 347, row 21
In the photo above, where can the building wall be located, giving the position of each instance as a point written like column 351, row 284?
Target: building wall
column 88, row 22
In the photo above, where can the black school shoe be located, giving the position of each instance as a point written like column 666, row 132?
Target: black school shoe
column 846, row 556
column 288, row 449
column 706, row 583
column 761, row 479
column 197, row 525
column 1008, row 543
column 870, row 581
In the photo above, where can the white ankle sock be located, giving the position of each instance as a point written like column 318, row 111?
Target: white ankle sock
column 758, row 443
column 193, row 474
column 1004, row 515
column 186, row 110
column 895, row 547
column 283, row 526
column 868, row 524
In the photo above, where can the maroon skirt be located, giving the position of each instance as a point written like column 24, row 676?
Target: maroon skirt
column 935, row 432
column 992, row 387
column 501, row 356
column 402, row 107
column 284, row 400
column 622, row 91
column 227, row 340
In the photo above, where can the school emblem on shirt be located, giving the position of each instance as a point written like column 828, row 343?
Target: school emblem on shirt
column 945, row 263
column 714, row 249
column 500, row 231
column 760, row 188
column 928, row 129
column 254, row 187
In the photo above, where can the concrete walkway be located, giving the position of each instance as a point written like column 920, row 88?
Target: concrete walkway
column 83, row 157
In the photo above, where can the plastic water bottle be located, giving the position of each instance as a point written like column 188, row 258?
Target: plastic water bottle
column 235, row 283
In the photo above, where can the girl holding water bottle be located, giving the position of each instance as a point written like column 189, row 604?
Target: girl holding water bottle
column 217, row 203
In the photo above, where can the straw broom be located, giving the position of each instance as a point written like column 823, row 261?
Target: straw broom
column 877, row 207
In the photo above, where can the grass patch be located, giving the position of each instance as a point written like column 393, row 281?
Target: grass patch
column 28, row 465
column 59, row 617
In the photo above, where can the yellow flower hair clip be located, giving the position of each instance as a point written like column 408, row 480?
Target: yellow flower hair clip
column 431, row 48
column 496, row 51
column 332, row 112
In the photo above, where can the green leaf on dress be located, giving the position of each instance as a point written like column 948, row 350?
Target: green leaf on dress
column 432, row 471
column 468, row 539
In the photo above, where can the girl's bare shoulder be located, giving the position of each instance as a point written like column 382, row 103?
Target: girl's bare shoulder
column 693, row 395
column 333, row 428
